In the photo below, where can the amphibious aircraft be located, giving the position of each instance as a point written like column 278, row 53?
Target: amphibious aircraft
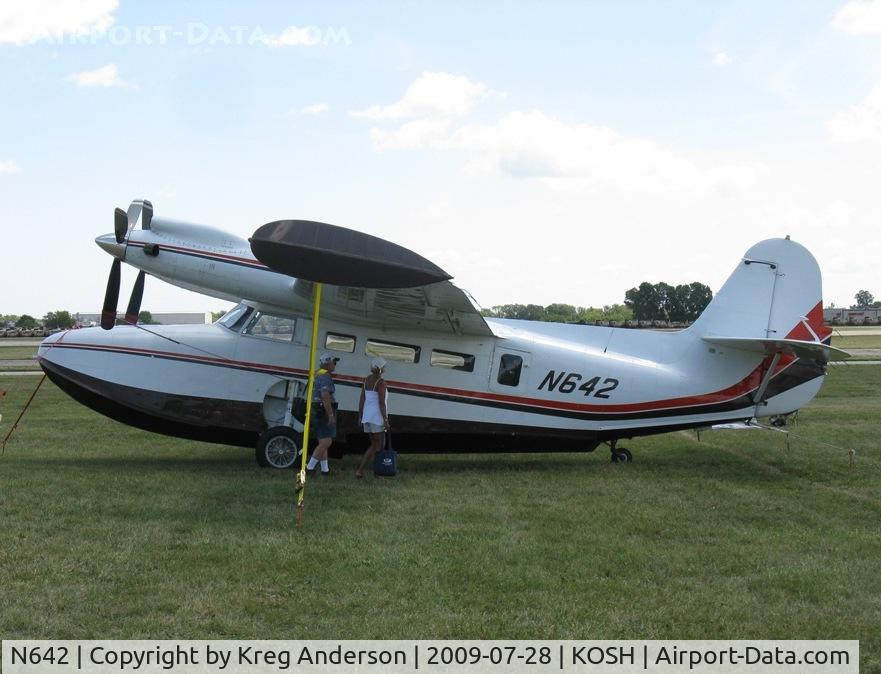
column 457, row 381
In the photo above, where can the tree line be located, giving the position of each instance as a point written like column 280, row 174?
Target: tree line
column 663, row 302
column 560, row 313
column 647, row 302
column 56, row 320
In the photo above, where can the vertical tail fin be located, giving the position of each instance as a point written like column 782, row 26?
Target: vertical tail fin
column 774, row 293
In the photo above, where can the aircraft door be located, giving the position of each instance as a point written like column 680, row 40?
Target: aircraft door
column 510, row 371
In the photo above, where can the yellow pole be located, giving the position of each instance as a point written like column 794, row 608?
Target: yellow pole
column 301, row 477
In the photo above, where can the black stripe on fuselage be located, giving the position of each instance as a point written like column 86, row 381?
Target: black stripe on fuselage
column 206, row 419
column 794, row 376
column 240, row 423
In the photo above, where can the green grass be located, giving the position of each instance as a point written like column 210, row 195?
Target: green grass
column 109, row 532
column 17, row 352
column 856, row 341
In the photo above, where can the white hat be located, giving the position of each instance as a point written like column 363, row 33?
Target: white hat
column 327, row 358
column 377, row 363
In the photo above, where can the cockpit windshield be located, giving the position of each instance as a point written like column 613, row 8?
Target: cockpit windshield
column 236, row 317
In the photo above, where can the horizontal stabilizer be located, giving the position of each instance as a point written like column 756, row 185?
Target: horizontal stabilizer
column 796, row 347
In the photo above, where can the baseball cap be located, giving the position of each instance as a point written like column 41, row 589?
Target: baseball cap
column 327, row 358
column 377, row 363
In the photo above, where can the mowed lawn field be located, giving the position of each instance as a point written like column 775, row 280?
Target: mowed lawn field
column 854, row 340
column 110, row 532
column 18, row 356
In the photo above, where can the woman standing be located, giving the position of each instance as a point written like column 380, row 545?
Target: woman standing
column 373, row 411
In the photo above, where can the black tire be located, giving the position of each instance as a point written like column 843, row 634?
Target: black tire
column 622, row 455
column 278, row 448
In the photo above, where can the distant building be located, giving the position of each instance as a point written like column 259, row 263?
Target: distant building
column 852, row 316
column 166, row 318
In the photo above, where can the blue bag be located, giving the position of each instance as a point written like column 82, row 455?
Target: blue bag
column 385, row 463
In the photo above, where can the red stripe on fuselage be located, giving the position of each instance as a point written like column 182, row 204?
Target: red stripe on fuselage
column 205, row 253
column 741, row 388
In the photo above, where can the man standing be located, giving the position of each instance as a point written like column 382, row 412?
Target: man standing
column 324, row 406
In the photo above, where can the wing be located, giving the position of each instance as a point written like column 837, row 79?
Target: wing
column 438, row 307
column 366, row 279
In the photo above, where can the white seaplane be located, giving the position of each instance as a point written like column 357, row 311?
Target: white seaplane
column 457, row 381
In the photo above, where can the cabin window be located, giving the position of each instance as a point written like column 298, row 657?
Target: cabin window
column 404, row 353
column 235, row 318
column 509, row 369
column 336, row 342
column 452, row 360
column 268, row 326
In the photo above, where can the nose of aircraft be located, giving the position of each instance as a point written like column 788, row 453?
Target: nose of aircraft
column 108, row 243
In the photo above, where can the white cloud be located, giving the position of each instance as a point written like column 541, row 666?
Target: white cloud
column 430, row 95
column 9, row 166
column 105, row 76
column 859, row 17
column 721, row 59
column 413, row 135
column 584, row 156
column 534, row 145
column 315, row 109
column 859, row 122
column 23, row 21
column 294, row 36
column 563, row 155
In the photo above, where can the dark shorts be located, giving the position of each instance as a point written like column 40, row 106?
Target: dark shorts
column 323, row 429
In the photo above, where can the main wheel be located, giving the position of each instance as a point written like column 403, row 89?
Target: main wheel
column 278, row 447
column 622, row 455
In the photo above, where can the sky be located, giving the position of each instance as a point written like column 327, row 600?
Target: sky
column 539, row 152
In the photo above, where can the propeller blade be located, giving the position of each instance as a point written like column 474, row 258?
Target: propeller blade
column 147, row 215
column 134, row 303
column 140, row 209
column 120, row 225
column 111, row 297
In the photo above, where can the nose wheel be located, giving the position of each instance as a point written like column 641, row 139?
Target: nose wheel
column 620, row 454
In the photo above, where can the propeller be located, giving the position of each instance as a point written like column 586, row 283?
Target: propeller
column 120, row 225
column 111, row 297
column 134, row 303
column 123, row 223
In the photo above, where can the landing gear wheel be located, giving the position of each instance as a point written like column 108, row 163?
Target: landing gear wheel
column 622, row 455
column 278, row 447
